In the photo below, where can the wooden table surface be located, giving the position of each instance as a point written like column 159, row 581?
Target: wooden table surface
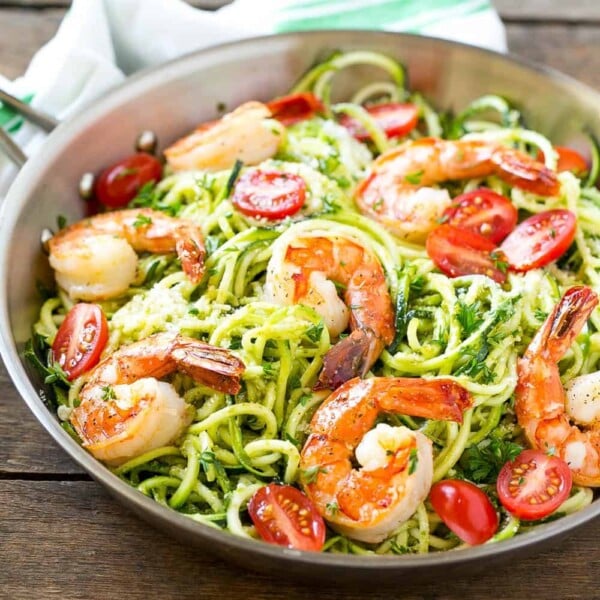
column 62, row 536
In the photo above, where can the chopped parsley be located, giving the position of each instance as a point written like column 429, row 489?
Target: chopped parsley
column 482, row 463
column 377, row 205
column 332, row 508
column 314, row 332
column 469, row 316
column 141, row 221
column 61, row 221
column 499, row 259
column 56, row 374
column 413, row 461
column 108, row 393
column 414, row 178
column 235, row 173
column 310, row 475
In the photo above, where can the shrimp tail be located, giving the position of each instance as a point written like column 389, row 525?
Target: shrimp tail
column 529, row 175
column 564, row 323
column 215, row 367
column 351, row 357
column 191, row 252
column 440, row 399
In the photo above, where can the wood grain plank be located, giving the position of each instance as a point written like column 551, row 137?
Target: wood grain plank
column 71, row 540
column 515, row 10
column 24, row 32
column 575, row 50
column 26, row 447
column 549, row 10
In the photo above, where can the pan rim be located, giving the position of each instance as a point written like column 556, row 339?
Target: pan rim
column 18, row 198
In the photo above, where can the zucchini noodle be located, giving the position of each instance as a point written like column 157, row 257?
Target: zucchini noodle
column 468, row 328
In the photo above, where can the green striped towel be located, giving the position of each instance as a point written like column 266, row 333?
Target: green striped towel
column 101, row 41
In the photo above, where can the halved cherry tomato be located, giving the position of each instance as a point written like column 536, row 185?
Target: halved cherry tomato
column 540, row 239
column 283, row 515
column 534, row 484
column 295, row 107
column 461, row 252
column 465, row 509
column 118, row 184
column 568, row 160
column 394, row 118
column 484, row 212
column 269, row 194
column 80, row 339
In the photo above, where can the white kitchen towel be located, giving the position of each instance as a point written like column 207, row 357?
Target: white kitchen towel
column 100, row 42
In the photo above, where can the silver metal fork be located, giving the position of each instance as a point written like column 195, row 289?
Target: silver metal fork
column 39, row 118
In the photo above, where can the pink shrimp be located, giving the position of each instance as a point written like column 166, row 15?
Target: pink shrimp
column 124, row 409
column 305, row 269
column 395, row 192
column 543, row 409
column 368, row 503
column 95, row 259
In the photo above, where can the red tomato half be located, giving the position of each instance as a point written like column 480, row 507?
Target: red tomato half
column 465, row 509
column 283, row 515
column 394, row 118
column 461, row 252
column 80, row 339
column 118, row 184
column 295, row 107
column 484, row 212
column 534, row 485
column 269, row 194
column 568, row 160
column 540, row 239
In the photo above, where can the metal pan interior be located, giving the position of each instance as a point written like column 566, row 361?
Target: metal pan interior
column 172, row 99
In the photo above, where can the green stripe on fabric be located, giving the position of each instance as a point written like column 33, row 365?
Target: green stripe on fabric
column 358, row 14
column 10, row 118
column 421, row 22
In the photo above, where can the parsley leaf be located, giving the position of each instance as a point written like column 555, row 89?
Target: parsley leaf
column 468, row 315
column 332, row 508
column 141, row 221
column 483, row 462
column 499, row 259
column 108, row 393
column 475, row 366
column 413, row 461
column 414, row 178
column 61, row 221
column 235, row 172
column 310, row 475
column 314, row 332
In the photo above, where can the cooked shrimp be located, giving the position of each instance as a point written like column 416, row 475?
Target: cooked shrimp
column 396, row 464
column 396, row 191
column 306, row 268
column 565, row 423
column 95, row 259
column 125, row 411
column 247, row 134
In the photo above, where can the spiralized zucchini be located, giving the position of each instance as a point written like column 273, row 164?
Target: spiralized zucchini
column 468, row 328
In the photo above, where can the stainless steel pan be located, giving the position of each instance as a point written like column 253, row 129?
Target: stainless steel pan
column 170, row 100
